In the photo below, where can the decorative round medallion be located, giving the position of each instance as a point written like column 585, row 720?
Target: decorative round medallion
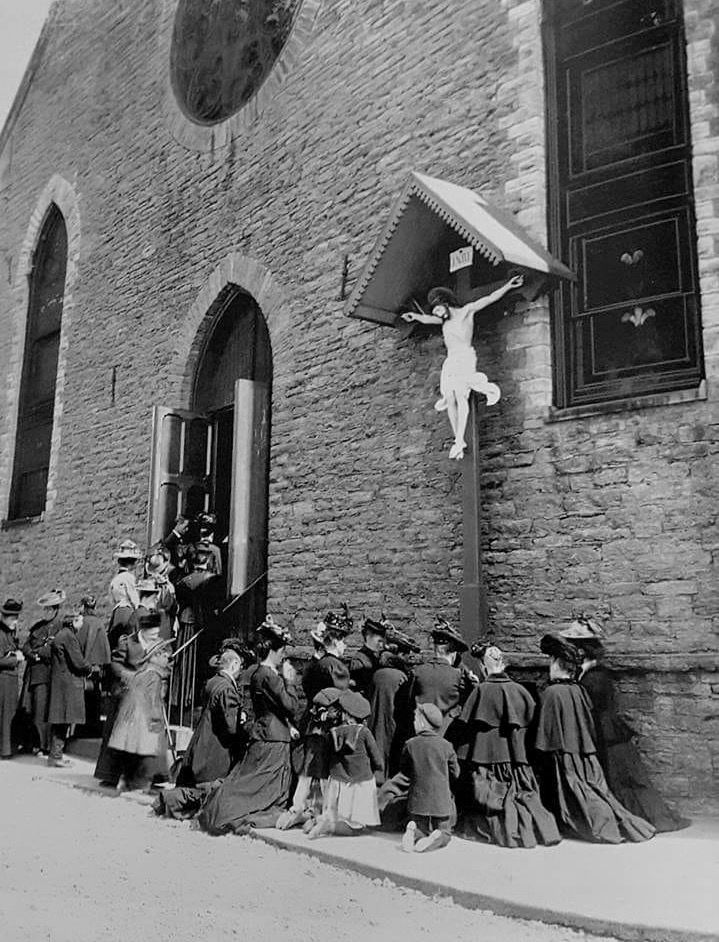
column 223, row 50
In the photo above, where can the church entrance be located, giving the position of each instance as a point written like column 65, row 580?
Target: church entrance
column 214, row 456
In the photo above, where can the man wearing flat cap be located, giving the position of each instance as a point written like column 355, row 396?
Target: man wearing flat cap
column 438, row 680
column 10, row 659
column 36, row 683
column 365, row 662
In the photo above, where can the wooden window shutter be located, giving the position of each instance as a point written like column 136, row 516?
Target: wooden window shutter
column 250, row 468
column 180, row 477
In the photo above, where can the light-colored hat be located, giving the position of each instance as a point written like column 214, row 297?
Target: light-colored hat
column 128, row 549
column 52, row 599
column 583, row 629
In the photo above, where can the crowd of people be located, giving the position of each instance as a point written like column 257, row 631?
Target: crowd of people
column 387, row 739
column 380, row 738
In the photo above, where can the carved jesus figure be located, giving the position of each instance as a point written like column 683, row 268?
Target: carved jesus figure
column 459, row 371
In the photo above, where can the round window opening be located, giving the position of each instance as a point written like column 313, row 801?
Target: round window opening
column 223, row 50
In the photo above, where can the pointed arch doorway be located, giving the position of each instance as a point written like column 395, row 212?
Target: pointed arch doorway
column 214, row 455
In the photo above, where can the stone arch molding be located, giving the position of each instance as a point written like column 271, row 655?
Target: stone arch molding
column 63, row 195
column 245, row 273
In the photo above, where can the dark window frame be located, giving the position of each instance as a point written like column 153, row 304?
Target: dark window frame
column 35, row 414
column 570, row 389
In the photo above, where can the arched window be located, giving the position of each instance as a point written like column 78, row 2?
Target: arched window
column 39, row 374
column 621, row 199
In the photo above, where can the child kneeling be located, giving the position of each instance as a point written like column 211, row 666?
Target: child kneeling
column 350, row 799
column 429, row 762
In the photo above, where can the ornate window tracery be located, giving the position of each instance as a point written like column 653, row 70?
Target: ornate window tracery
column 223, row 50
column 621, row 200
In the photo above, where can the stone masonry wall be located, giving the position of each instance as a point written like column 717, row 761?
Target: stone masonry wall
column 613, row 514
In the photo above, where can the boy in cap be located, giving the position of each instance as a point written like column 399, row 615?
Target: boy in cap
column 429, row 762
column 10, row 659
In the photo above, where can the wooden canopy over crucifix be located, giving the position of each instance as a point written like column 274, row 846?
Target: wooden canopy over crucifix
column 439, row 233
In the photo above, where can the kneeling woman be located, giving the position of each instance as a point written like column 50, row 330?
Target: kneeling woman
column 498, row 797
column 572, row 782
column 257, row 790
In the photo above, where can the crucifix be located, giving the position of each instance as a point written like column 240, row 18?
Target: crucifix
column 429, row 218
column 461, row 387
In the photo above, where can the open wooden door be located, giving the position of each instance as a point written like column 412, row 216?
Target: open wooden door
column 180, row 477
column 250, row 468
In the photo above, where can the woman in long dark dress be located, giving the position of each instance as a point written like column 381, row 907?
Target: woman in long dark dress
column 498, row 793
column 257, row 790
column 619, row 757
column 573, row 786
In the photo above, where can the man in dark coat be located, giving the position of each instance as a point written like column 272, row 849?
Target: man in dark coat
column 95, row 648
column 438, row 681
column 389, row 699
column 219, row 740
column 67, row 689
column 365, row 662
column 10, row 659
column 36, row 683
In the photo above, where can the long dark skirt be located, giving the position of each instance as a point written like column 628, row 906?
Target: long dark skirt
column 500, row 804
column 109, row 762
column 575, row 790
column 630, row 783
column 255, row 792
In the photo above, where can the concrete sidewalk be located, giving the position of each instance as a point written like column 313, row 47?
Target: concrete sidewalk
column 666, row 889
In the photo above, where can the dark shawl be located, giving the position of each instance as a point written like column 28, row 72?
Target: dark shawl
column 565, row 720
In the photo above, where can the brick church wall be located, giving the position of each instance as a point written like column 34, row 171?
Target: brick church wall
column 608, row 513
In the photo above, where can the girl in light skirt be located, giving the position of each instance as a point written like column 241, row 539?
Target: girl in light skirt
column 350, row 798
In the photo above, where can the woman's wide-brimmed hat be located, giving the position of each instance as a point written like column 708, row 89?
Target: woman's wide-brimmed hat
column 402, row 641
column 583, row 629
column 11, row 607
column 128, row 549
column 270, row 629
column 52, row 599
column 376, row 627
column 339, row 624
column 556, row 647
column 150, row 620
column 444, row 632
